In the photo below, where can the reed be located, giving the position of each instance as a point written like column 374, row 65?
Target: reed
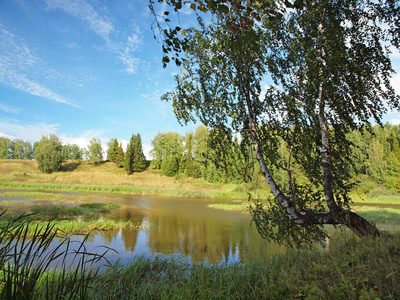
column 68, row 227
column 27, row 261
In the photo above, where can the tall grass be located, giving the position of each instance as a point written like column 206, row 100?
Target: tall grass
column 348, row 269
column 31, row 267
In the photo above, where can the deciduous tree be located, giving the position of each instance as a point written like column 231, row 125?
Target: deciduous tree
column 48, row 154
column 331, row 74
column 5, row 148
column 95, row 151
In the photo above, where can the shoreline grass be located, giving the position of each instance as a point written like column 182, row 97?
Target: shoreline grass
column 348, row 269
column 70, row 227
column 122, row 189
column 240, row 207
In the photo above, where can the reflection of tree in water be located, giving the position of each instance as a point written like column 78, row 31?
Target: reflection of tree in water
column 211, row 240
column 109, row 235
column 129, row 236
column 128, row 215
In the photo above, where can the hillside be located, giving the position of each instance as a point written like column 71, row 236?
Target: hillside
column 106, row 177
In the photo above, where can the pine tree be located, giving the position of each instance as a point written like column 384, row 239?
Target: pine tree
column 139, row 160
column 129, row 156
column 119, row 158
column 112, row 150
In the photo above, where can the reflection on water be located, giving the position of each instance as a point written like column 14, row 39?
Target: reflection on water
column 182, row 227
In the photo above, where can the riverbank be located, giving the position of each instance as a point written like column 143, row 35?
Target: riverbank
column 106, row 178
column 347, row 269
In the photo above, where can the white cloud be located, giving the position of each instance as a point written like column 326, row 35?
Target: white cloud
column 26, row 131
column 394, row 121
column 146, row 151
column 104, row 28
column 84, row 11
column 396, row 82
column 395, row 52
column 21, row 82
column 15, row 61
column 83, row 139
column 10, row 109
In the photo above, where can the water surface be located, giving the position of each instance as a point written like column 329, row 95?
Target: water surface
column 180, row 227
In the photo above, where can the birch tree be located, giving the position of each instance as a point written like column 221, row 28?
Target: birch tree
column 330, row 73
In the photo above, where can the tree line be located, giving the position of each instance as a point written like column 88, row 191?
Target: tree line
column 213, row 154
column 50, row 153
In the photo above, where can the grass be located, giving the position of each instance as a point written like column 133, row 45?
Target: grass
column 348, row 269
column 87, row 211
column 69, row 220
column 84, row 177
column 379, row 215
column 26, row 263
column 68, row 227
column 242, row 207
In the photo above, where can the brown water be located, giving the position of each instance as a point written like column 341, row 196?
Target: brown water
column 184, row 227
column 179, row 227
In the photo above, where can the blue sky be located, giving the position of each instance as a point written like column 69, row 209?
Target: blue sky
column 87, row 69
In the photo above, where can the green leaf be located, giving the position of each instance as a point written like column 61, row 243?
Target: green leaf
column 223, row 8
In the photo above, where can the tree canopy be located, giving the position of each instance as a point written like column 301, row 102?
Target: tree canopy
column 330, row 73
column 48, row 154
column 95, row 151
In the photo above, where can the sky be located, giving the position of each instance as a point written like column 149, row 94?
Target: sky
column 86, row 69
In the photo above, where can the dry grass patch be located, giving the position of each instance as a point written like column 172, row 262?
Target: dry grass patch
column 83, row 176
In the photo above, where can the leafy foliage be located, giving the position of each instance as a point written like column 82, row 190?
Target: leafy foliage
column 72, row 152
column 95, row 152
column 5, row 148
column 48, row 154
column 273, row 224
column 331, row 74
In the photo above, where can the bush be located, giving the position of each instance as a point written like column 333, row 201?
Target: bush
column 48, row 154
column 169, row 167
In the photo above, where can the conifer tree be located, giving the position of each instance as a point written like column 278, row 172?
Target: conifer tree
column 129, row 156
column 139, row 160
column 112, row 150
column 119, row 158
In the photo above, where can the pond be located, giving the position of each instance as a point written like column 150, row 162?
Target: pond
column 181, row 227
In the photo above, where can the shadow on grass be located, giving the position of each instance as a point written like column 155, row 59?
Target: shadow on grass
column 382, row 215
column 69, row 166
